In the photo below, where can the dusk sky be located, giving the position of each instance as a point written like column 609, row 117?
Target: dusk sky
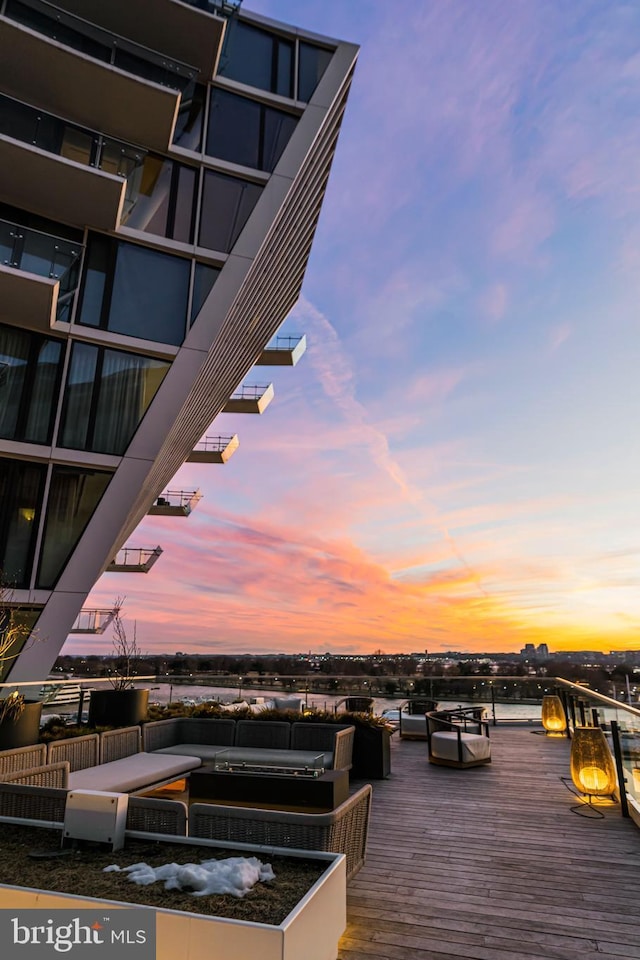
column 454, row 463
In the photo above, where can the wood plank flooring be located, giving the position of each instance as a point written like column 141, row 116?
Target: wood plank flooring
column 490, row 863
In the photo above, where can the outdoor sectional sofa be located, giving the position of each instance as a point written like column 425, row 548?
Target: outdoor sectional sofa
column 35, row 791
column 129, row 760
column 273, row 742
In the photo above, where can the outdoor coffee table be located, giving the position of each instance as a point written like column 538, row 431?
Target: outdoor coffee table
column 279, row 788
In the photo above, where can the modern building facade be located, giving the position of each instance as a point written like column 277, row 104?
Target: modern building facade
column 162, row 168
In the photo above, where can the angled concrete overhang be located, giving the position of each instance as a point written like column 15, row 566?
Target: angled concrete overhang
column 250, row 399
column 175, row 503
column 173, row 28
column 58, row 188
column 134, row 560
column 285, row 352
column 214, row 450
column 27, row 300
column 85, row 90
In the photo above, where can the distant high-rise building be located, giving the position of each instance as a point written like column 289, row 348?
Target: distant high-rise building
column 163, row 168
column 542, row 651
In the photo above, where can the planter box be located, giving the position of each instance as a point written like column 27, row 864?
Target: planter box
column 312, row 929
column 118, row 708
column 25, row 730
column 371, row 753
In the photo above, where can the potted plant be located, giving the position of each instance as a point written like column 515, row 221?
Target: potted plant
column 123, row 705
column 19, row 718
column 371, row 742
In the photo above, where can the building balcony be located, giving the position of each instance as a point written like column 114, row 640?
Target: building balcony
column 181, row 31
column 252, row 398
column 175, row 503
column 93, row 621
column 285, row 352
column 92, row 76
column 38, row 276
column 63, row 171
column 134, row 560
column 214, row 450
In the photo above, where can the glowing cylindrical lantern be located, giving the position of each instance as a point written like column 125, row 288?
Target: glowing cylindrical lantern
column 553, row 718
column 592, row 769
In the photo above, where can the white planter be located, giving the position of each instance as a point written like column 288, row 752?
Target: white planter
column 312, row 930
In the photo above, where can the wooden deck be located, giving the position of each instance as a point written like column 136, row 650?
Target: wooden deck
column 490, row 863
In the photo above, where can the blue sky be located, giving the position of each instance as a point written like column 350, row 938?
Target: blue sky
column 454, row 463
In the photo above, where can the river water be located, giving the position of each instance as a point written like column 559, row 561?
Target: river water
column 164, row 692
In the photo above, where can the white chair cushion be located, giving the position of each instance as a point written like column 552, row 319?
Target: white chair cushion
column 132, row 773
column 444, row 746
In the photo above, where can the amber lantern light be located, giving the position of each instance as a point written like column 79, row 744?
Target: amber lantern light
column 554, row 720
column 592, row 769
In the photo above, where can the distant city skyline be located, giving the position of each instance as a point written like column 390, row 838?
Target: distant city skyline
column 453, row 462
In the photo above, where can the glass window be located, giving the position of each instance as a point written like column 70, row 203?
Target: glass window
column 244, row 131
column 227, row 203
column 278, row 127
column 21, row 486
column 188, row 132
column 73, row 496
column 313, row 61
column 22, row 616
column 134, row 290
column 78, row 396
column 233, row 132
column 149, row 294
column 30, row 367
column 107, row 394
column 184, row 207
column 258, row 58
column 161, row 198
column 204, row 279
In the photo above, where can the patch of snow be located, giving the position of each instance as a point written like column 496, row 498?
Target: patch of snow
column 235, row 875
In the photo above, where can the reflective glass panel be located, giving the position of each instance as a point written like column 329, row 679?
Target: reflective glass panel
column 21, row 486
column 73, row 496
column 107, row 394
column 204, row 279
column 248, row 55
column 135, row 291
column 227, row 203
column 234, row 128
column 188, row 132
column 149, row 294
column 30, row 367
column 79, row 396
column 247, row 132
column 313, row 61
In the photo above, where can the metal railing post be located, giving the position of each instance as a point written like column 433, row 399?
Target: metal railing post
column 617, row 753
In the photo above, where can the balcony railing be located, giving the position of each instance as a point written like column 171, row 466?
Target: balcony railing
column 101, row 44
column 175, row 503
column 48, row 132
column 285, row 352
column 134, row 560
column 44, row 255
column 93, row 621
column 251, row 398
column 214, row 450
column 219, row 8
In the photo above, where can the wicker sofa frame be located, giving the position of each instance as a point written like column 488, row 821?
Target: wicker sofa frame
column 253, row 735
column 343, row 830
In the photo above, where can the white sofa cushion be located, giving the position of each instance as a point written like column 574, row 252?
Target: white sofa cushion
column 132, row 773
column 253, row 755
column 444, row 746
